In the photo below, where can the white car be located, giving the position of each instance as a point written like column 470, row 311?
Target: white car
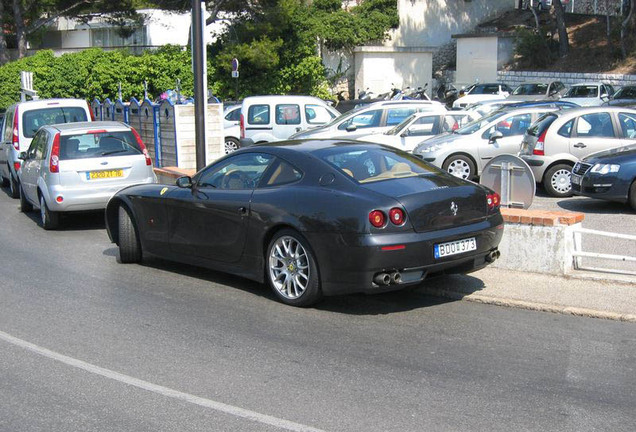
column 589, row 94
column 481, row 92
column 417, row 128
column 232, row 128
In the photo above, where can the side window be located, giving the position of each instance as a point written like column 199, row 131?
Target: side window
column 363, row 120
column 242, row 171
column 566, row 129
column 595, row 125
column 258, row 114
column 628, row 124
column 397, row 115
column 287, row 114
column 423, row 126
column 36, row 149
column 511, row 126
column 8, row 125
column 317, row 114
column 234, row 115
column 283, row 173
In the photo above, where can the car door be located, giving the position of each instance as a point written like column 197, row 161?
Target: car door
column 627, row 126
column 287, row 120
column 593, row 132
column 5, row 139
column 512, row 128
column 33, row 165
column 209, row 220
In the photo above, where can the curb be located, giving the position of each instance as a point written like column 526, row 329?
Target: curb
column 520, row 304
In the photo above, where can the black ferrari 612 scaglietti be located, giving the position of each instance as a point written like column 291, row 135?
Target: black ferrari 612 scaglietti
column 314, row 218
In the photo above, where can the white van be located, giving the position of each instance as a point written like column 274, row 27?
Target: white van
column 275, row 118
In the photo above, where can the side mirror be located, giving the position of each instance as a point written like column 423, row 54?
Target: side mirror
column 495, row 136
column 405, row 133
column 22, row 156
column 184, row 182
column 352, row 128
column 604, row 96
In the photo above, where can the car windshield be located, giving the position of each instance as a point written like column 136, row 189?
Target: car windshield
column 98, row 144
column 530, row 89
column 582, row 91
column 479, row 123
column 396, row 130
column 36, row 118
column 367, row 164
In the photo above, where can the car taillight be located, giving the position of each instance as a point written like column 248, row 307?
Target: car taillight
column 54, row 162
column 539, row 147
column 396, row 215
column 242, row 122
column 142, row 147
column 455, row 126
column 377, row 218
column 493, row 201
column 16, row 134
column 16, row 166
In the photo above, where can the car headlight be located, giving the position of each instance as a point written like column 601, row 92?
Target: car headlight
column 429, row 148
column 605, row 168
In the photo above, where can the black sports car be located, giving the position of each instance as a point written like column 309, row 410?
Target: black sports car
column 314, row 218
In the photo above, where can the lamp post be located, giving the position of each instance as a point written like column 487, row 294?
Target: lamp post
column 200, row 81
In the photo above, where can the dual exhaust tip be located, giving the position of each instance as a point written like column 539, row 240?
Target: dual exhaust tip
column 493, row 255
column 383, row 278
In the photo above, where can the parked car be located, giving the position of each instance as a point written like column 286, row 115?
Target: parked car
column 276, row 213
column 23, row 120
column 79, row 166
column 625, row 96
column 589, row 94
column 481, row 92
column 558, row 140
column 538, row 91
column 275, row 118
column 464, row 152
column 232, row 127
column 416, row 128
column 373, row 118
column 608, row 175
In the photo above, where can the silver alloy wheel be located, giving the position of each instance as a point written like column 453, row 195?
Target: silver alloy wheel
column 459, row 168
column 230, row 146
column 561, row 181
column 289, row 267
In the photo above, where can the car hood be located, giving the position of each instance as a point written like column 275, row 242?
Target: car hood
column 615, row 155
column 445, row 138
column 435, row 201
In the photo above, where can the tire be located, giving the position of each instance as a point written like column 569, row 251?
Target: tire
column 632, row 195
column 231, row 145
column 14, row 187
column 5, row 182
column 25, row 205
column 557, row 181
column 291, row 269
column 129, row 245
column 460, row 166
column 50, row 220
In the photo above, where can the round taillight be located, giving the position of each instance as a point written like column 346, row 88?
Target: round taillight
column 377, row 219
column 495, row 199
column 397, row 216
column 59, row 198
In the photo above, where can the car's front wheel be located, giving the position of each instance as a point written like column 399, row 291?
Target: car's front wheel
column 292, row 270
column 558, row 181
column 460, row 166
column 50, row 220
column 129, row 244
column 231, row 145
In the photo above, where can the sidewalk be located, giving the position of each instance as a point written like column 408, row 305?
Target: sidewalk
column 584, row 294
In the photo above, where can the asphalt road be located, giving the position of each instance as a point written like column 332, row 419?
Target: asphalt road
column 87, row 344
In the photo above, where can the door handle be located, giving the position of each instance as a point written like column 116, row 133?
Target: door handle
column 242, row 211
column 579, row 145
column 298, row 129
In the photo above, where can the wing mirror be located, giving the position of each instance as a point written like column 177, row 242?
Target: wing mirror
column 405, row 133
column 495, row 136
column 604, row 96
column 22, row 156
column 352, row 128
column 184, row 182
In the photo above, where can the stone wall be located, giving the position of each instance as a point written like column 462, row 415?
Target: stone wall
column 514, row 78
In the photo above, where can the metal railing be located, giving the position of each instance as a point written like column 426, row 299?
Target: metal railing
column 578, row 253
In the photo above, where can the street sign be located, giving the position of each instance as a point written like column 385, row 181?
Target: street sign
column 235, row 65
column 235, row 74
column 512, row 178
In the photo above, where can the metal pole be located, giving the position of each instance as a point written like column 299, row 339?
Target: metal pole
column 200, row 91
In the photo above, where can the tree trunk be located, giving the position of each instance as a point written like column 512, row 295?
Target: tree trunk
column 564, row 43
column 20, row 28
column 4, row 56
column 625, row 26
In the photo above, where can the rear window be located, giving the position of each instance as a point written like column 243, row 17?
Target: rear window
column 258, row 114
column 541, row 125
column 92, row 145
column 375, row 164
column 32, row 120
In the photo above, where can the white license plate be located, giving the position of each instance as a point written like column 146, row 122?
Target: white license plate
column 455, row 247
column 576, row 179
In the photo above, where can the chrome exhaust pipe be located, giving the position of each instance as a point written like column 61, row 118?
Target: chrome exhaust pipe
column 396, row 278
column 382, row 279
column 492, row 256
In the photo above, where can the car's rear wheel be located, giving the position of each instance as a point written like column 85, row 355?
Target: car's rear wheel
column 632, row 195
column 25, row 205
column 231, row 145
column 5, row 182
column 460, row 166
column 50, row 220
column 557, row 181
column 14, row 187
column 129, row 245
column 292, row 270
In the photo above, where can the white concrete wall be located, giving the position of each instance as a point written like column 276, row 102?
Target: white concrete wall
column 76, row 38
column 477, row 59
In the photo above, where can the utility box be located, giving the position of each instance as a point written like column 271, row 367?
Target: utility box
column 96, row 108
column 108, row 109
column 134, row 114
column 120, row 111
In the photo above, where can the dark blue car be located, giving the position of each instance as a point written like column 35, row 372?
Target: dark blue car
column 608, row 175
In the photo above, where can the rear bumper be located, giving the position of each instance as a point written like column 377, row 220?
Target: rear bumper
column 537, row 166
column 348, row 263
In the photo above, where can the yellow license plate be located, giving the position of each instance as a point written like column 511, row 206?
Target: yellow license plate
column 92, row 175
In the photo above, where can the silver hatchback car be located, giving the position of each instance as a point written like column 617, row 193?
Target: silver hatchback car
column 79, row 166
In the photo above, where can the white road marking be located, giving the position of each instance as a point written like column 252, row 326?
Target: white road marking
column 165, row 391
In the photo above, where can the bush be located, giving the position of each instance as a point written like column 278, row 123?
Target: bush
column 533, row 49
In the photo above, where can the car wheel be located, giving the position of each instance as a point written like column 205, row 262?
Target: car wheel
column 50, row 219
column 14, row 187
column 25, row 205
column 231, row 145
column 5, row 182
column 460, row 166
column 292, row 270
column 129, row 245
column 558, row 181
column 632, row 195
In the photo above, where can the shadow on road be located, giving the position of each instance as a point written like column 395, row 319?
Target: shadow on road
column 589, row 205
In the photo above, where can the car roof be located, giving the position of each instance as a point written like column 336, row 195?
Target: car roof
column 589, row 83
column 42, row 103
column 398, row 103
column 280, row 98
column 80, row 127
